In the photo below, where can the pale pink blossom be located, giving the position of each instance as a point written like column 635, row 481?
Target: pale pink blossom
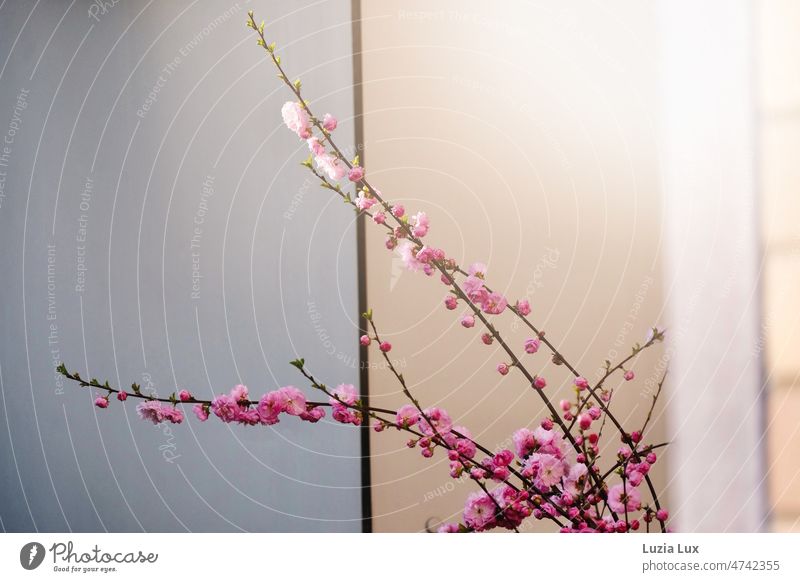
column 315, row 145
column 477, row 270
column 622, row 498
column 101, row 402
column 523, row 307
column 364, row 201
column 201, row 412
column 296, row 118
column 329, row 122
column 406, row 251
column 494, row 303
column 331, row 165
column 420, row 224
column 407, row 416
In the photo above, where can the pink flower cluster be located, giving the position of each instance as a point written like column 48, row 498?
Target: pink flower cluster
column 344, row 397
column 236, row 407
column 158, row 412
column 473, row 285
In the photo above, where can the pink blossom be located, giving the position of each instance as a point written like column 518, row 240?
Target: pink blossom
column 365, row 340
column 296, row 118
column 539, row 382
column 173, row 415
column 385, row 347
column 635, row 478
column 331, row 165
column 439, row 419
column 629, row 375
column 532, row 345
column 473, row 287
column 344, row 397
column 122, row 396
column 406, row 251
column 347, row 393
column 426, row 254
column 494, row 303
column 581, row 382
column 477, row 270
column 523, row 307
column 398, row 210
column 479, row 511
column 524, row 442
column 448, row 528
column 355, row 174
column 200, row 411
column 487, row 339
column 185, row 396
column 313, row 414
column 269, row 407
column 390, row 243
column 468, row 321
column 379, row 218
column 101, row 402
column 248, row 417
column 549, row 441
column 329, row 122
column 576, row 479
column 225, row 407
column 315, row 145
column 565, row 405
column 364, row 201
column 622, row 498
column 450, row 302
column 420, row 224
column 239, row 393
column 294, row 401
column 407, row 416
column 551, row 470
column 585, row 421
column 154, row 411
column 662, row 515
column 502, row 368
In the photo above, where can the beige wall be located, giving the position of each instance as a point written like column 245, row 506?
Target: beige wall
column 527, row 135
column 779, row 115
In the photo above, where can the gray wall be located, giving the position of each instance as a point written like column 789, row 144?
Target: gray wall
column 99, row 201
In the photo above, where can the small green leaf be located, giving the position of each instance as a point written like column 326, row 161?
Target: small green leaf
column 299, row 363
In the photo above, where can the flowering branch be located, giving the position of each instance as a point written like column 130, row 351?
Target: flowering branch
column 555, row 465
